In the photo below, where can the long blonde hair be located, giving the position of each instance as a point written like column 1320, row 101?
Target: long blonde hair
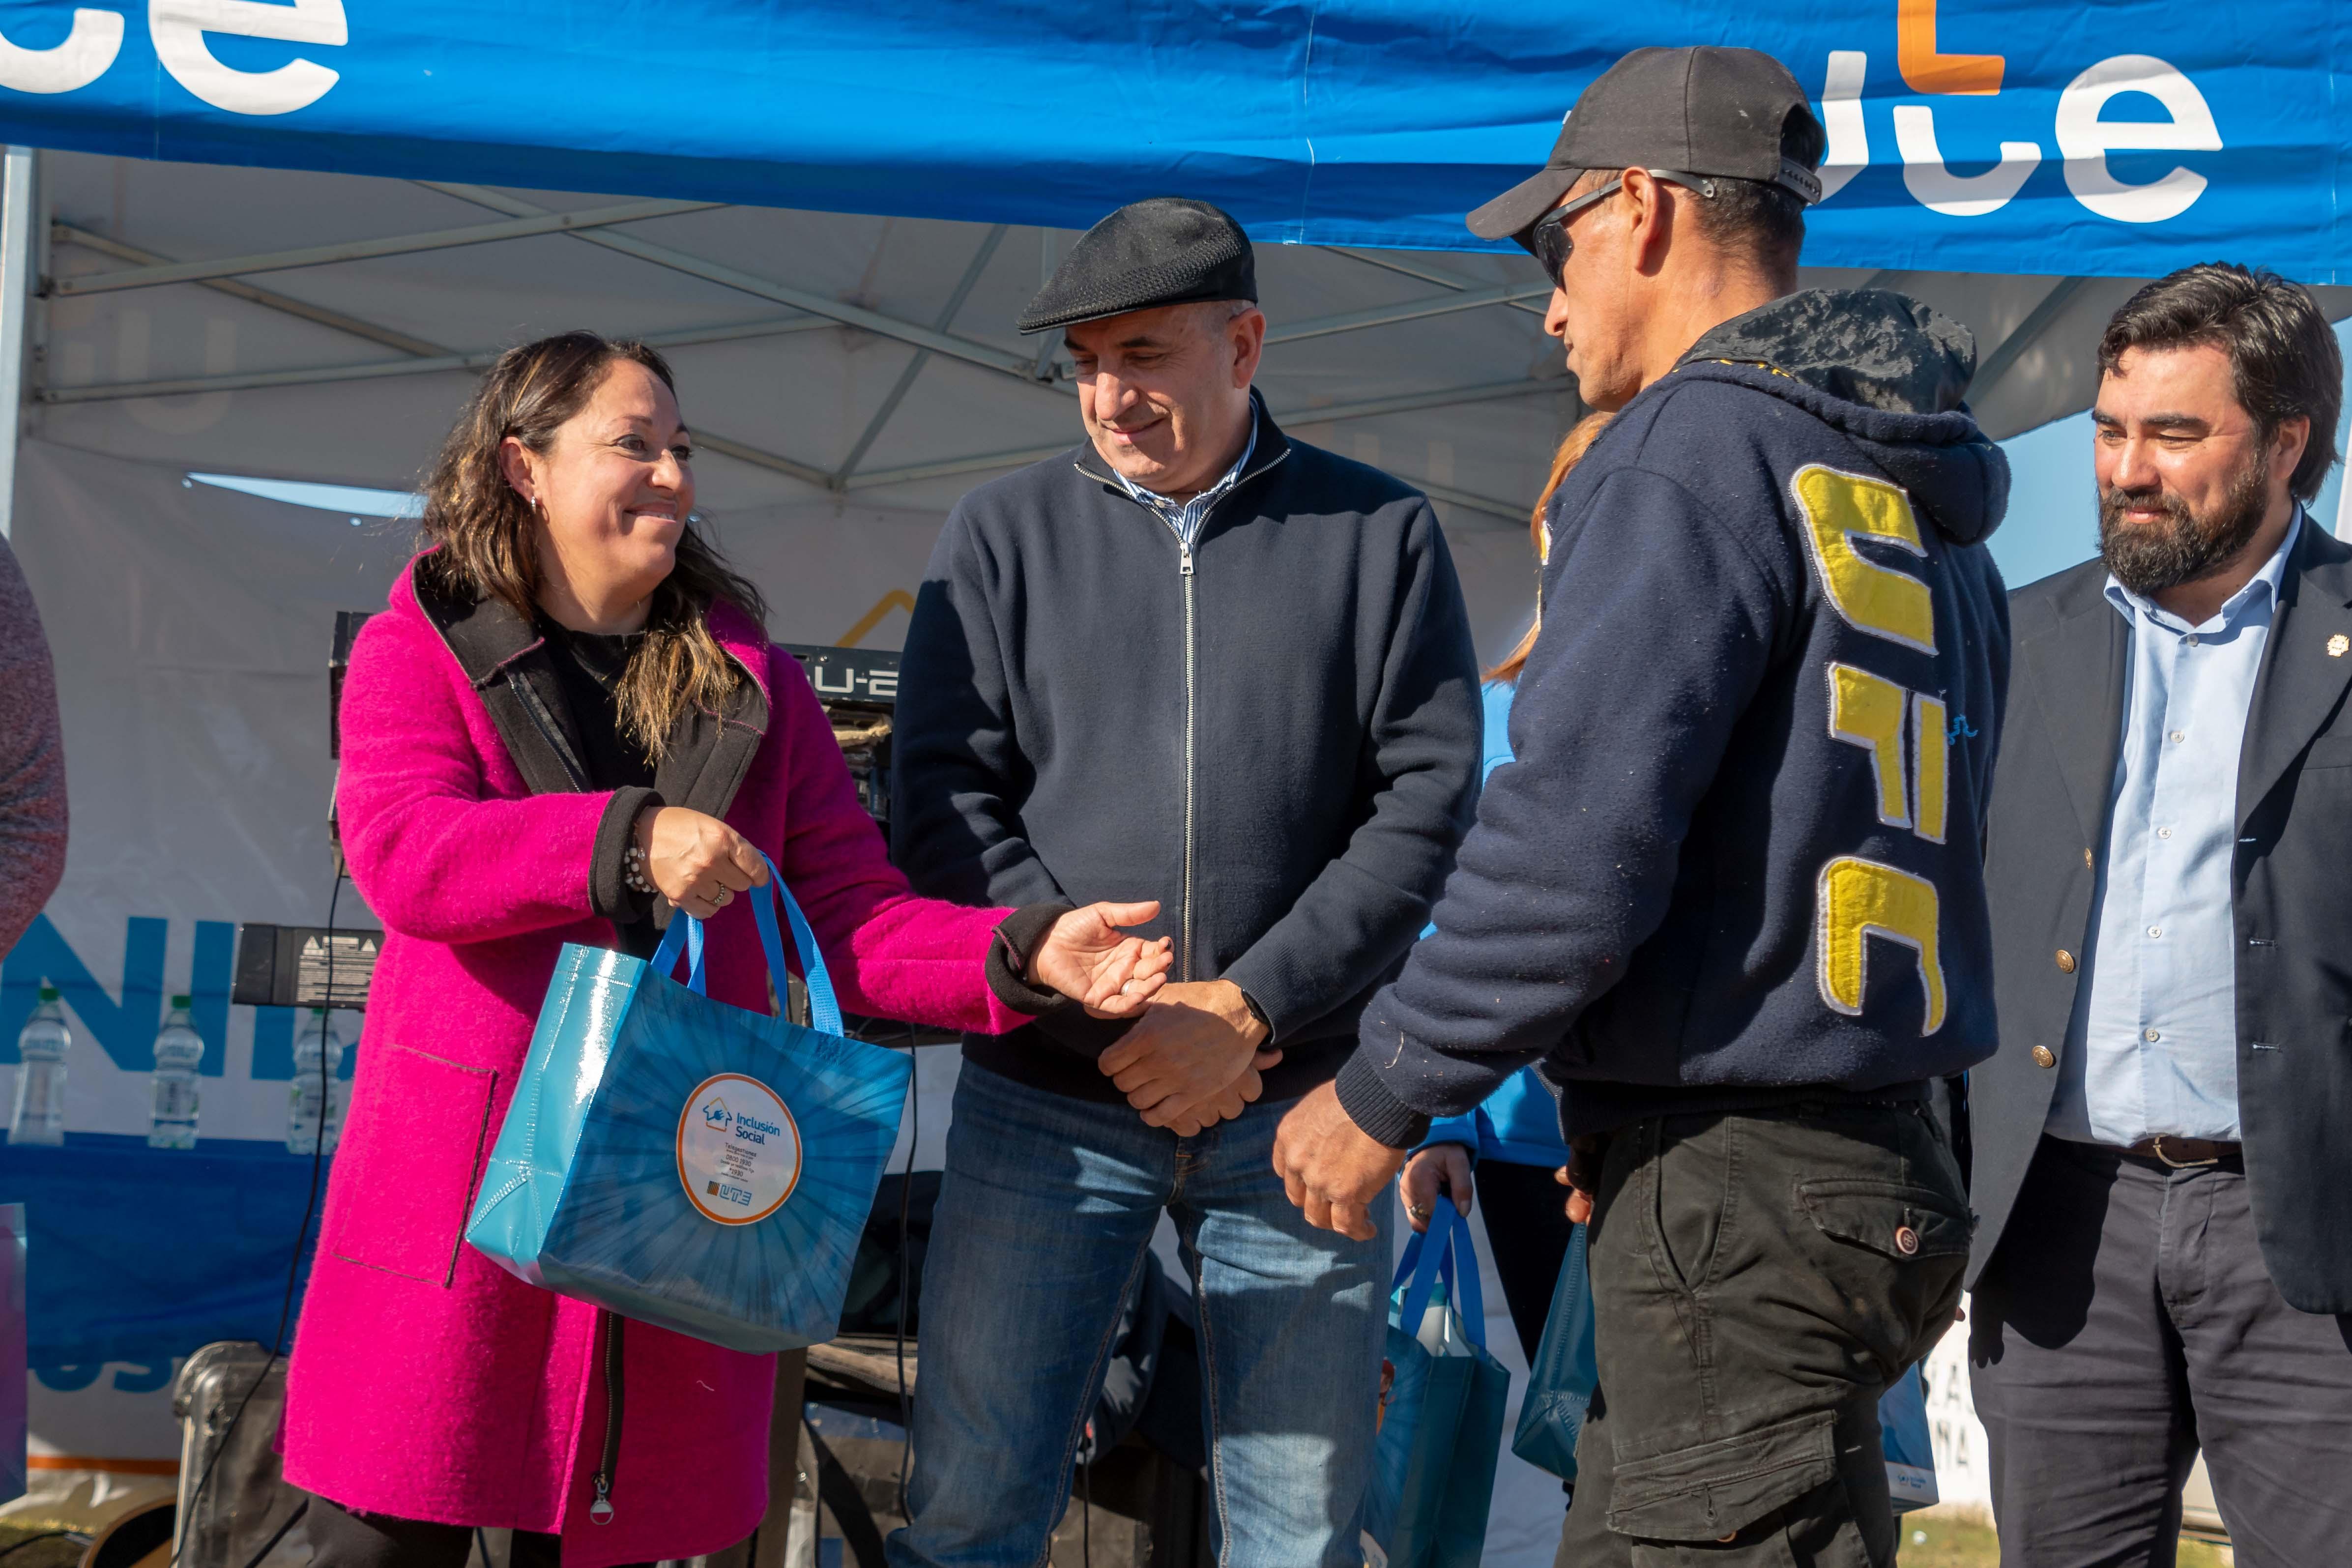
column 485, row 530
column 1572, row 448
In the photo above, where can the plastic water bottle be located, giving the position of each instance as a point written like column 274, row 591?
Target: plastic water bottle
column 178, row 1050
column 39, row 1116
column 315, row 1100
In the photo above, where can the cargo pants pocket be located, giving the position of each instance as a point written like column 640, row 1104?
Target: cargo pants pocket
column 1738, row 1502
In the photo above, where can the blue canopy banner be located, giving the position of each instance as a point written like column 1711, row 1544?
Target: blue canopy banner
column 2121, row 138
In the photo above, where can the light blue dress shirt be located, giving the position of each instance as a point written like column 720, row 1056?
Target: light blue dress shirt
column 1185, row 517
column 2152, row 1047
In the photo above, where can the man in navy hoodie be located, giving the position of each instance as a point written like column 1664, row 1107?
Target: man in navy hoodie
column 1729, row 895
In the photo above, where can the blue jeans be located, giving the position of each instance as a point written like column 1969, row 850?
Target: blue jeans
column 1047, row 1210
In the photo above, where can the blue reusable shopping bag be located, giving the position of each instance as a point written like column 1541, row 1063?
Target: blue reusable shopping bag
column 1561, row 1383
column 688, row 1164
column 1440, row 1424
column 1910, row 1451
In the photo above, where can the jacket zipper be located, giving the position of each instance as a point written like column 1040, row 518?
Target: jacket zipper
column 600, row 1510
column 1184, row 565
column 1184, row 568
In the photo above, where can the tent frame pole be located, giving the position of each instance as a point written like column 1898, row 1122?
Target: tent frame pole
column 372, row 249
column 840, row 478
column 1410, row 265
column 982, row 354
column 20, row 199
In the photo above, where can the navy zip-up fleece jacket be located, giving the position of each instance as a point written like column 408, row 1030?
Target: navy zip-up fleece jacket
column 1287, row 765
column 1738, row 859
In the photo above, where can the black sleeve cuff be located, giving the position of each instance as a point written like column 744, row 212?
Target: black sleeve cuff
column 609, row 893
column 1258, row 1013
column 1384, row 1117
column 1009, row 954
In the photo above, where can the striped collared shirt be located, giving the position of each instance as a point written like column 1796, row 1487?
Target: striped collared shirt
column 1184, row 518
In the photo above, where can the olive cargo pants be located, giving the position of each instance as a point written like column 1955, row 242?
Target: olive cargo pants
column 1760, row 1278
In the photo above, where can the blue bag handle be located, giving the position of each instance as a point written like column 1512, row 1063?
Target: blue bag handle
column 824, row 1011
column 1426, row 1264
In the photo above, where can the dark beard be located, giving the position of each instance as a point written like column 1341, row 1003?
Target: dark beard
column 2148, row 558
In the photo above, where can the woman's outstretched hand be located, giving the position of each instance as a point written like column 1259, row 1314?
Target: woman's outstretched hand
column 697, row 862
column 1085, row 958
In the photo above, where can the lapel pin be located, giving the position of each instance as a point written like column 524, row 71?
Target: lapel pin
column 2338, row 644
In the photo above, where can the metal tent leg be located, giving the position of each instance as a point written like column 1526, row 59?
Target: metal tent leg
column 19, row 198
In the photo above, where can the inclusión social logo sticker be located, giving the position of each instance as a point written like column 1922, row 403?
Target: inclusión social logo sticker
column 738, row 1150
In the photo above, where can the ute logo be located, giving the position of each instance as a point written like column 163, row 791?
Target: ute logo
column 739, row 1154
column 177, row 28
column 2081, row 127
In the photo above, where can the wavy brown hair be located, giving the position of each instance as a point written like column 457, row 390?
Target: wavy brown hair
column 1572, row 448
column 488, row 537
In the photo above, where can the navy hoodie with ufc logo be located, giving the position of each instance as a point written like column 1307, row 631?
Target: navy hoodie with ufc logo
column 1738, row 855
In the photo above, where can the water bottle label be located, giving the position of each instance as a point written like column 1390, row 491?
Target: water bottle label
column 738, row 1150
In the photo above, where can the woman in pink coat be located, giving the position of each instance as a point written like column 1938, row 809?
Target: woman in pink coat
column 568, row 719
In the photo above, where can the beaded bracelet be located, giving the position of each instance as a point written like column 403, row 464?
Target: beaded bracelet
column 634, row 872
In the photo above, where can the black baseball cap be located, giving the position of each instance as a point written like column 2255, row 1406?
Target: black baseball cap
column 1702, row 110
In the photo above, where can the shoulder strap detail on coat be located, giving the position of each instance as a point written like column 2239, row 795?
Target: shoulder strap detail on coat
column 510, row 667
column 508, row 664
column 710, row 753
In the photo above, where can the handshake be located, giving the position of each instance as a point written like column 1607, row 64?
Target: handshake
column 1193, row 1059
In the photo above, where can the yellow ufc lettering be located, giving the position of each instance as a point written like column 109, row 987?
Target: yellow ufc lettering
column 1868, row 710
column 1933, row 739
column 1857, row 899
column 1841, row 507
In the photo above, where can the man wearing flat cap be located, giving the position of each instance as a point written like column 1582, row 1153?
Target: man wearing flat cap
column 1729, row 897
column 1196, row 657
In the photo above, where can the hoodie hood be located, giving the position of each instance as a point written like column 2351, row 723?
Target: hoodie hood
column 1888, row 372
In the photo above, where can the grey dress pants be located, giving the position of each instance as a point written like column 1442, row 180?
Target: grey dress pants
column 2126, row 1320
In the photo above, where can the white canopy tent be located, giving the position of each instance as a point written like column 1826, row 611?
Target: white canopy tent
column 324, row 327
column 846, row 377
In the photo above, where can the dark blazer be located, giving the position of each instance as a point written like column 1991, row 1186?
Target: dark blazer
column 2053, row 790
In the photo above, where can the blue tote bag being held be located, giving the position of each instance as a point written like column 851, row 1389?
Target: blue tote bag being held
column 1561, row 1383
column 687, row 1163
column 1441, row 1399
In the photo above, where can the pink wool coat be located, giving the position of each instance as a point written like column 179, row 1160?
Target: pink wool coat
column 426, row 1381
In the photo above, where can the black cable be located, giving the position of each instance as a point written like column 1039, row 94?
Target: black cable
column 44, row 1535
column 482, row 1540
column 1087, row 1515
column 302, row 1235
column 270, row 1545
column 905, row 1194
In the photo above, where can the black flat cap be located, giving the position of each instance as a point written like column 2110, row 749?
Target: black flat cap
column 1704, row 111
column 1169, row 250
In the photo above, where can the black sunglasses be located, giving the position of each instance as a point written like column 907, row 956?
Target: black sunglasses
column 1548, row 238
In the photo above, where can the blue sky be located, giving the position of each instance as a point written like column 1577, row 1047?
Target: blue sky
column 2052, row 508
